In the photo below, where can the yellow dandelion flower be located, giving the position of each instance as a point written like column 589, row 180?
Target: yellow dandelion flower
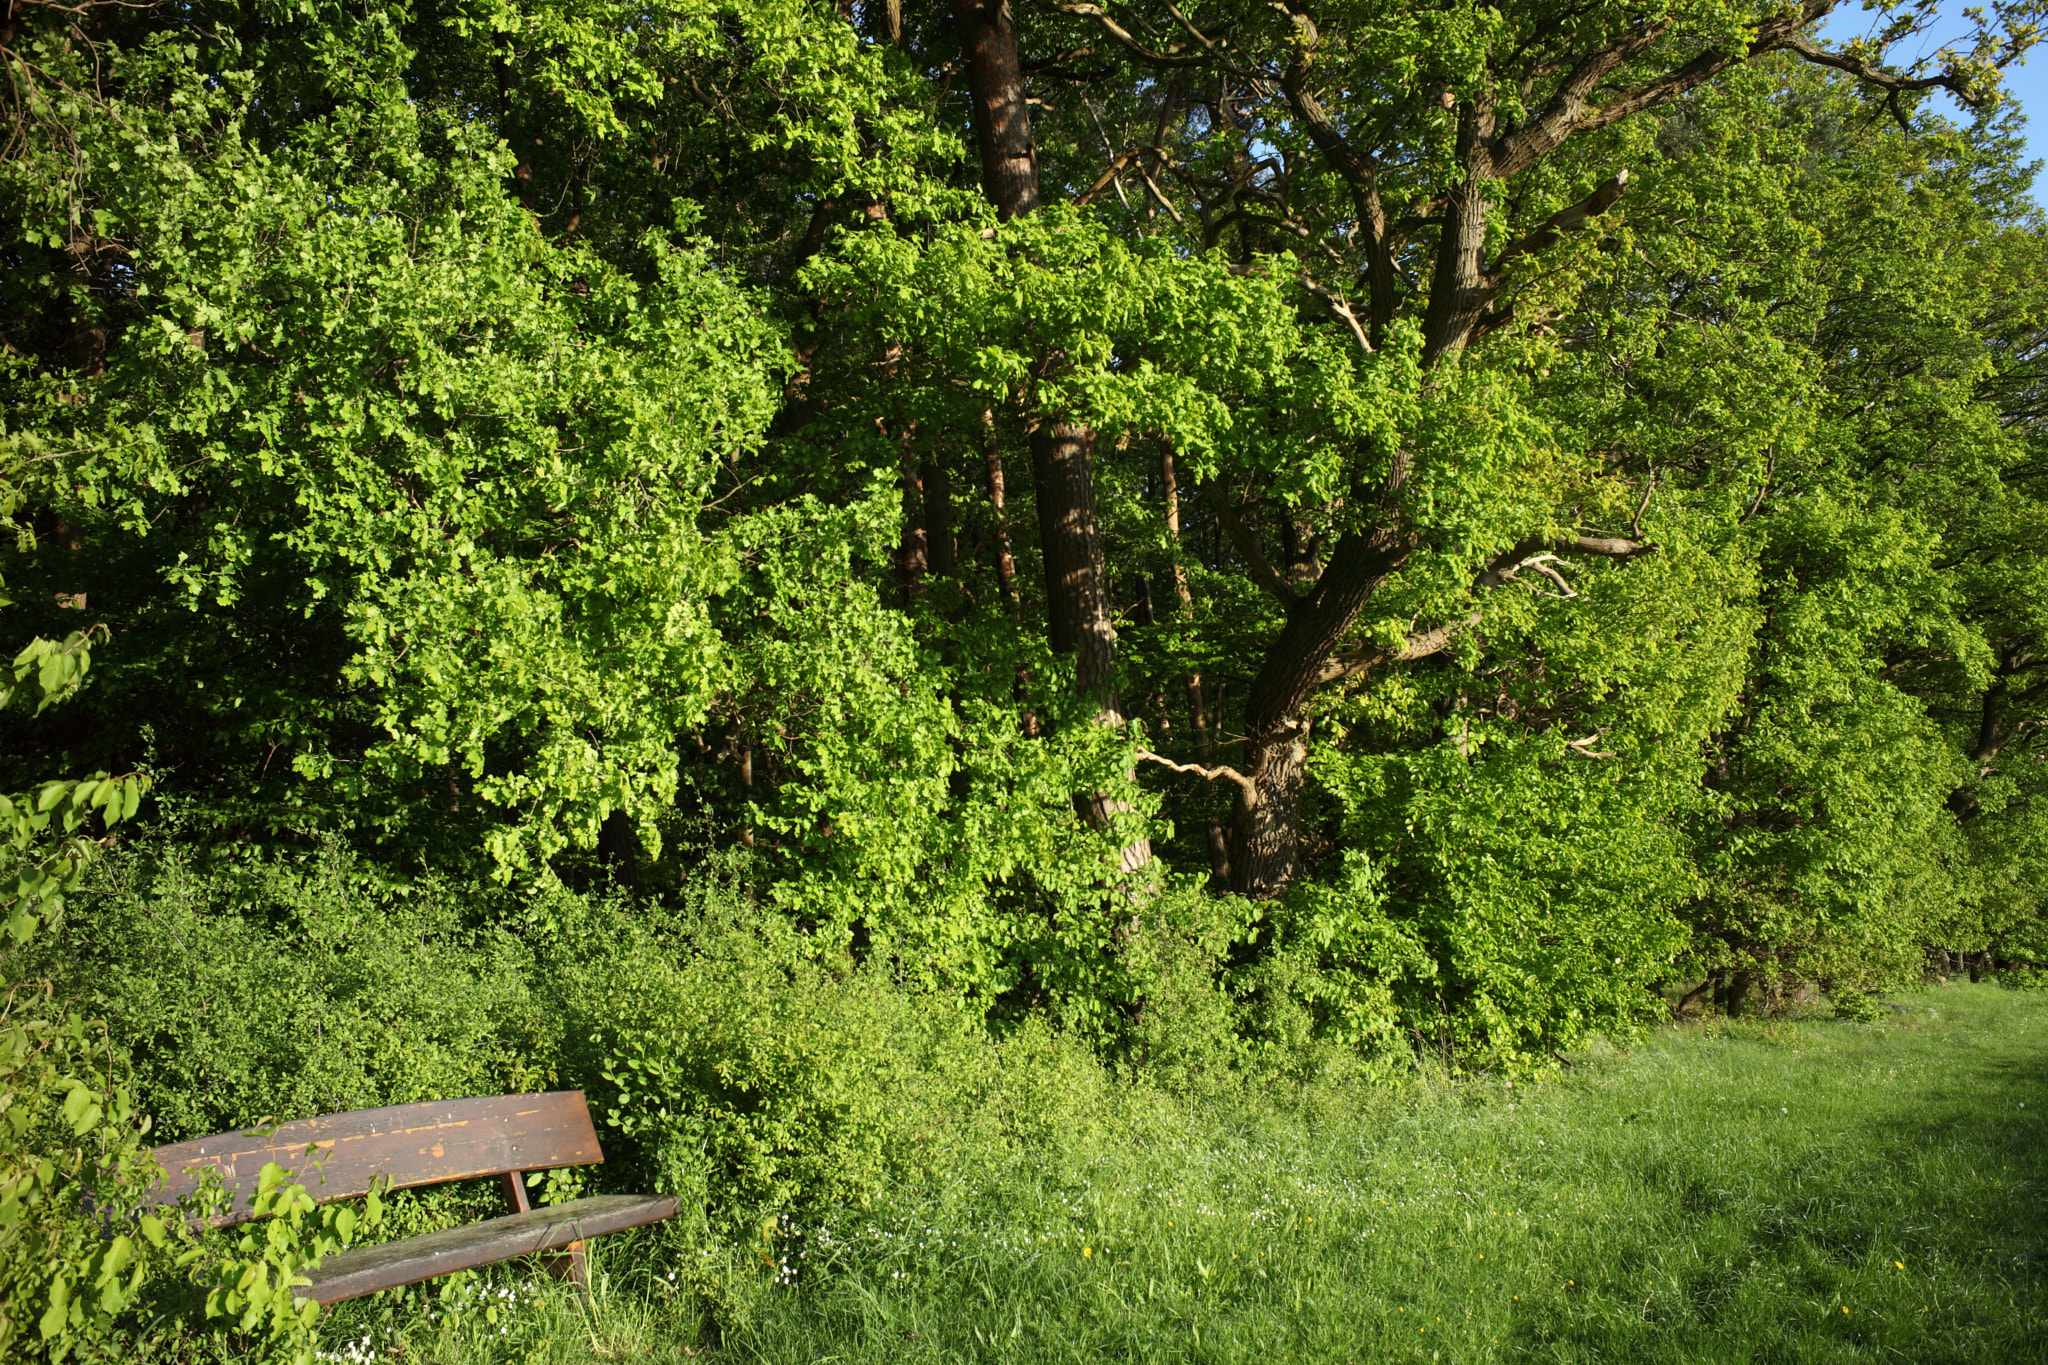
column 1900, row 1264
column 1845, row 1310
column 1087, row 1251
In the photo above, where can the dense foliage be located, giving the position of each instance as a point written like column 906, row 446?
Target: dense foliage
column 1236, row 531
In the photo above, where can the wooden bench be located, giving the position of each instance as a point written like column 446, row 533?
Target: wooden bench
column 409, row 1145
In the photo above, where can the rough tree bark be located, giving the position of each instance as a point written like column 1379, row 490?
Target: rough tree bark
column 1264, row 835
column 1002, row 120
column 1078, row 617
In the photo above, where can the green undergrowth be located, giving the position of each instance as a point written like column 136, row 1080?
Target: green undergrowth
column 1785, row 1190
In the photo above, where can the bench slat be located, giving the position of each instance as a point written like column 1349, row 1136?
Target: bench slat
column 365, row 1270
column 407, row 1144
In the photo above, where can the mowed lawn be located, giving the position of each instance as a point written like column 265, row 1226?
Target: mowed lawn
column 1774, row 1191
column 1769, row 1191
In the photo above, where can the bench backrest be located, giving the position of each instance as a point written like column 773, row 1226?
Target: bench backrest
column 404, row 1145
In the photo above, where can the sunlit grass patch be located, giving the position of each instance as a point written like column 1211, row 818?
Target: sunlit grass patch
column 1782, row 1191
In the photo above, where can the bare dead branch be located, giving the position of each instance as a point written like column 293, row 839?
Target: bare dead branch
column 1158, row 194
column 1613, row 547
column 1582, row 749
column 1110, row 173
column 1337, row 305
column 1227, row 773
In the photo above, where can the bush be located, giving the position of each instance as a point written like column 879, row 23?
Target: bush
column 298, row 985
column 732, row 1058
column 73, row 1168
column 752, row 1074
column 89, row 1267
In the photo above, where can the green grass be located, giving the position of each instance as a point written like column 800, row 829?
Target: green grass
column 1782, row 1191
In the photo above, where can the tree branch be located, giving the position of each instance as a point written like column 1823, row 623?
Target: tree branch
column 1954, row 83
column 1356, row 169
column 1420, row 645
column 1128, row 41
column 1524, row 553
column 1341, row 309
column 1613, row 547
column 1569, row 112
column 1229, row 774
column 1583, row 747
column 1565, row 220
column 1248, row 549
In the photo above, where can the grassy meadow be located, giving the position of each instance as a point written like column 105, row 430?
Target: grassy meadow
column 1783, row 1190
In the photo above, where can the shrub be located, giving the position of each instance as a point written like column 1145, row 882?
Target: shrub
column 751, row 1073
column 89, row 1268
column 298, row 985
column 72, row 1169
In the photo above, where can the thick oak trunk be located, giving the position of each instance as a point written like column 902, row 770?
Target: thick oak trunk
column 1265, row 838
column 1461, row 289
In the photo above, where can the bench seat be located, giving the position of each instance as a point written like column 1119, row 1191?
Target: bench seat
column 365, row 1270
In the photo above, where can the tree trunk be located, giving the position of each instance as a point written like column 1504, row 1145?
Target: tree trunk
column 1198, row 711
column 1461, row 290
column 1002, row 120
column 914, row 554
column 942, row 551
column 1076, row 578
column 1006, row 562
column 1076, row 575
column 1077, row 592
column 1738, row 993
column 1264, row 837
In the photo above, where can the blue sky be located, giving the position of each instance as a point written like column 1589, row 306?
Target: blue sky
column 2028, row 83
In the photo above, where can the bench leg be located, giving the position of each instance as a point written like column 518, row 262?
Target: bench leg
column 570, row 1264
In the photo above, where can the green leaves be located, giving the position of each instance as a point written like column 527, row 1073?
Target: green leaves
column 44, row 856
column 59, row 669
column 71, row 1154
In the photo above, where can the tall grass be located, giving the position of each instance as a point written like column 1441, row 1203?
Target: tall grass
column 1783, row 1191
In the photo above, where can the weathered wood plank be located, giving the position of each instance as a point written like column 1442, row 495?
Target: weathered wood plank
column 365, row 1270
column 406, row 1144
